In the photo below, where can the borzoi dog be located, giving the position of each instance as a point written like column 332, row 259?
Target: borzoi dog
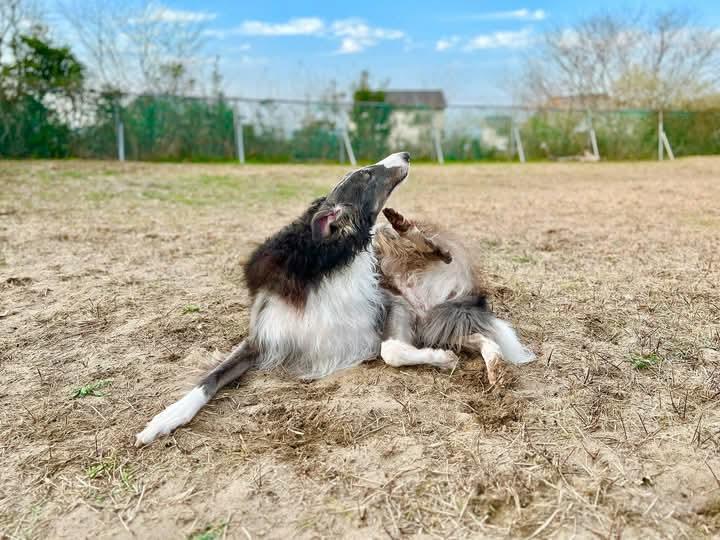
column 318, row 305
column 436, row 300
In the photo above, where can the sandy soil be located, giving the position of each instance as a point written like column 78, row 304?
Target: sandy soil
column 117, row 282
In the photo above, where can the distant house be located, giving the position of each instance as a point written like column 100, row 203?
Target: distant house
column 417, row 112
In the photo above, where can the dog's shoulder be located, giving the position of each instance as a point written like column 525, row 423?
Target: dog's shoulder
column 273, row 264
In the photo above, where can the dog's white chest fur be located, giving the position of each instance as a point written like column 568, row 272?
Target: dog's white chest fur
column 336, row 329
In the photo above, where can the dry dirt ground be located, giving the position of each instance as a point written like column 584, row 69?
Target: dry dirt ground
column 118, row 281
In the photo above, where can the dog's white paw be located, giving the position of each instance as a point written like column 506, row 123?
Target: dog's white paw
column 174, row 416
column 162, row 424
column 444, row 359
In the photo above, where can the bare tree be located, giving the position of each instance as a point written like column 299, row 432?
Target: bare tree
column 137, row 47
column 98, row 29
column 16, row 17
column 657, row 61
column 10, row 16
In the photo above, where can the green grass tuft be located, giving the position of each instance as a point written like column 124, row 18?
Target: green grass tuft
column 213, row 532
column 97, row 470
column 92, row 389
column 645, row 361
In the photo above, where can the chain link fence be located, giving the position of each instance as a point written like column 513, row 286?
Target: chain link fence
column 171, row 128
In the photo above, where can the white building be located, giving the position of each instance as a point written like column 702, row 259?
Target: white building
column 417, row 113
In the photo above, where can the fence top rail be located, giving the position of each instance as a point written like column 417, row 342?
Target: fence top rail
column 349, row 104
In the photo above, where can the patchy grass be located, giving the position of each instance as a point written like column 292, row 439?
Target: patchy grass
column 111, row 474
column 213, row 532
column 645, row 361
column 91, row 389
column 613, row 432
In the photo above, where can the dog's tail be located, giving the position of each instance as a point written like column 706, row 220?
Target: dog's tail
column 183, row 410
column 451, row 323
column 510, row 346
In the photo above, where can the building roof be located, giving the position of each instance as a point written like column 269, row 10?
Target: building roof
column 434, row 99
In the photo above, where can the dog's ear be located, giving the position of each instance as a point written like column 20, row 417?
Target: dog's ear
column 321, row 222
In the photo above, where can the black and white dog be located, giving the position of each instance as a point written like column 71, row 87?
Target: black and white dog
column 317, row 306
column 323, row 302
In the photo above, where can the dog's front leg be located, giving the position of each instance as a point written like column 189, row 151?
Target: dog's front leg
column 185, row 409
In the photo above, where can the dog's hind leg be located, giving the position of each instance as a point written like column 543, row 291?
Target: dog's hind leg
column 397, row 348
column 465, row 323
column 410, row 231
column 182, row 411
column 491, row 353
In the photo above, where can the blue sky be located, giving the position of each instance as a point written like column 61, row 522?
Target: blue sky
column 472, row 50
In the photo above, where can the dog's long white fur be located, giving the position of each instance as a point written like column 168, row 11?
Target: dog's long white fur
column 336, row 329
column 510, row 347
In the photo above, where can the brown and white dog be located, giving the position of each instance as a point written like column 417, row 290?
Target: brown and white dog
column 436, row 300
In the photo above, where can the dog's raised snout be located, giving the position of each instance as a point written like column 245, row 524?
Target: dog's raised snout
column 399, row 159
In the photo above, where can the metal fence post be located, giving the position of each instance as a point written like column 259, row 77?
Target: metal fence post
column 120, row 135
column 239, row 138
column 341, row 146
column 346, row 140
column 438, row 145
column 661, row 130
column 593, row 137
column 518, row 142
column 348, row 147
column 668, row 148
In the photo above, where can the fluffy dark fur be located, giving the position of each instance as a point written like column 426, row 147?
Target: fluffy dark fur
column 292, row 262
column 449, row 324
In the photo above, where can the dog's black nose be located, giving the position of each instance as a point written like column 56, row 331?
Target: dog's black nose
column 405, row 156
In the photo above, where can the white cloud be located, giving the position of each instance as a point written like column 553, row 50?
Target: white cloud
column 303, row 26
column 350, row 46
column 356, row 35
column 523, row 14
column 500, row 40
column 159, row 13
column 447, row 43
